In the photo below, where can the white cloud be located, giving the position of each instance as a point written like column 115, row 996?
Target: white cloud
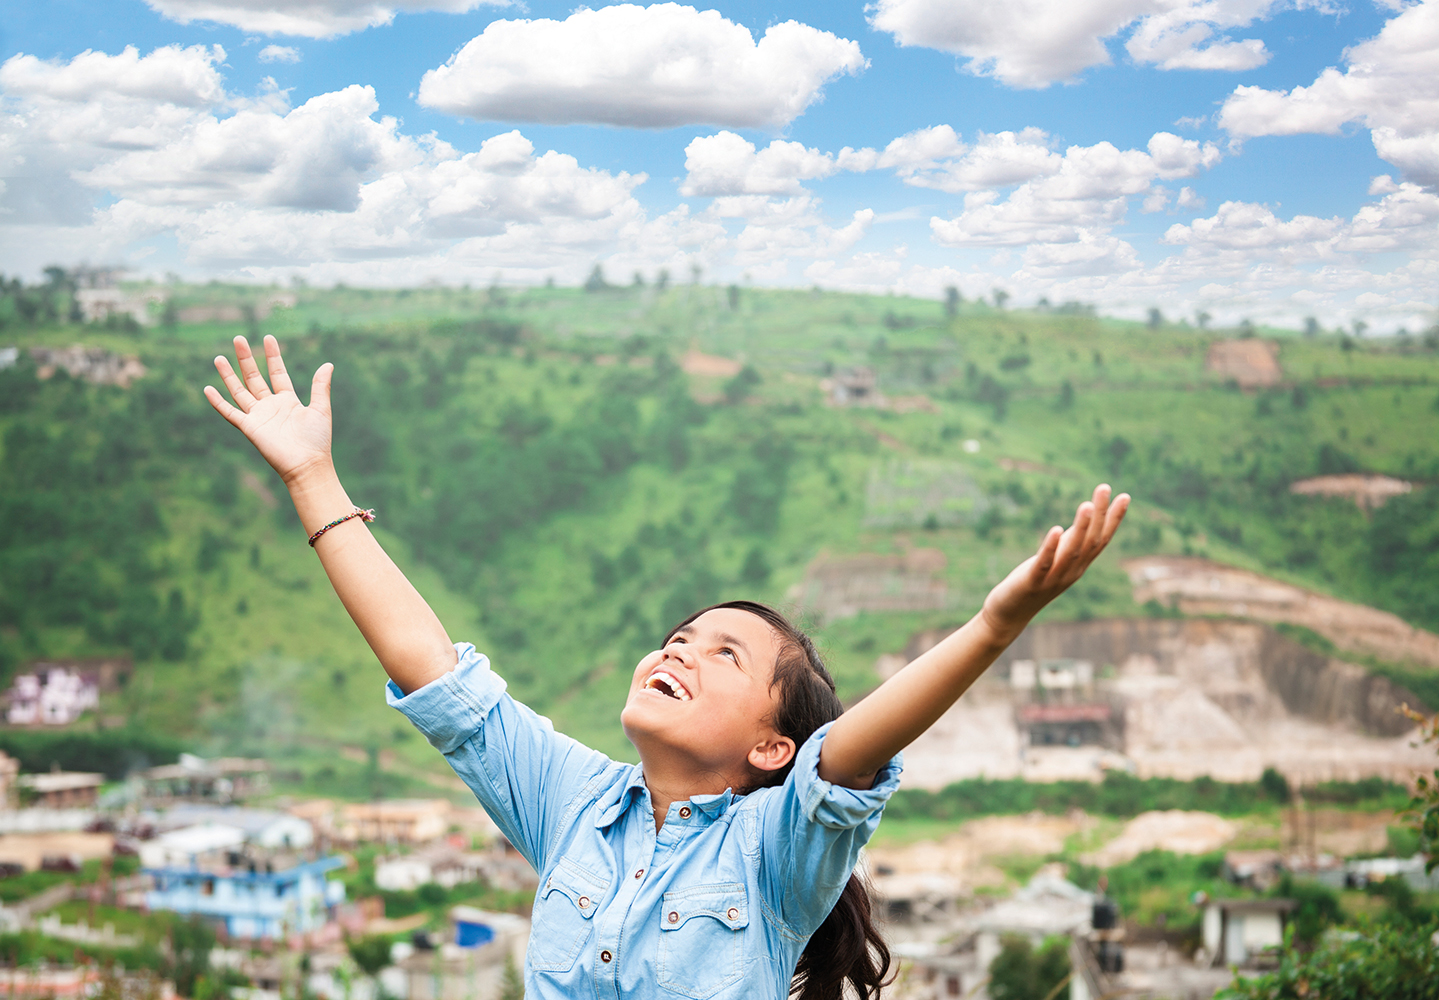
column 728, row 164
column 1245, row 226
column 279, row 53
column 1390, row 84
column 306, row 18
column 1080, row 195
column 1034, row 43
column 648, row 67
column 936, row 158
column 168, row 75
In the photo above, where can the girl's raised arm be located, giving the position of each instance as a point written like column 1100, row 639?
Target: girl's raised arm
column 409, row 640
column 864, row 738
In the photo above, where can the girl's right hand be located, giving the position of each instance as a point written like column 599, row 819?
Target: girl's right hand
column 292, row 437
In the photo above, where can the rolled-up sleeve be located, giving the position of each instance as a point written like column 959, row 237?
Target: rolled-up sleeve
column 814, row 830
column 526, row 775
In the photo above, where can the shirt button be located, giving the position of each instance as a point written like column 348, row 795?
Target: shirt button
column 640, row 873
column 684, row 812
column 584, row 902
column 606, row 957
column 674, row 917
column 733, row 913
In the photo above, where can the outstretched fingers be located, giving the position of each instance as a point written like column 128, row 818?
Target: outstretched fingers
column 222, row 406
column 250, row 370
column 279, row 378
column 320, row 388
column 241, row 395
column 1044, row 559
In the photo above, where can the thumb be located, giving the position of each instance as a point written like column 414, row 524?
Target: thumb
column 320, row 388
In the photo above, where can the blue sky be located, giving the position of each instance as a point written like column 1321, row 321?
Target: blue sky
column 1269, row 159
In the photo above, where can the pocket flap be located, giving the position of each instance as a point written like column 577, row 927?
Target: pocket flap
column 725, row 902
column 585, row 890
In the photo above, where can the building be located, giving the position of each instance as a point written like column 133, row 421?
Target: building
column 1242, row 931
column 61, row 789
column 266, row 829
column 251, row 905
column 221, row 780
column 51, row 696
column 472, row 964
column 403, row 821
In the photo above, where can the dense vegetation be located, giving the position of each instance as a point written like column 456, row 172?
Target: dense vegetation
column 1123, row 795
column 563, row 490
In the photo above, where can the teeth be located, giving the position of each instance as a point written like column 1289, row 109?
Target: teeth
column 666, row 684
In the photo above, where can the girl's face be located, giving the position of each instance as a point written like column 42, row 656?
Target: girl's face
column 705, row 699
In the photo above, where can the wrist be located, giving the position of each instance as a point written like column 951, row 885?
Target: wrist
column 316, row 474
column 998, row 630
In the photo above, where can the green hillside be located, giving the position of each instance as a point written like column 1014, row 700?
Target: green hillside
column 562, row 490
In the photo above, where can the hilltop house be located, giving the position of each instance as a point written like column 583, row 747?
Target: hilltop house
column 52, row 697
column 252, row 905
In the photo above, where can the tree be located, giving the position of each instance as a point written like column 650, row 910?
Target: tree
column 596, row 281
column 952, row 299
column 1000, row 298
column 1311, row 326
column 739, row 387
column 1156, row 318
column 1018, row 972
column 1424, row 808
column 662, row 280
column 512, row 986
column 1201, row 319
column 732, row 297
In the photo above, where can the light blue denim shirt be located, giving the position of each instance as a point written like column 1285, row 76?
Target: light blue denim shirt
column 718, row 904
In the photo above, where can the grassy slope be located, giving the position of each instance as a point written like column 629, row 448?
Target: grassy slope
column 288, row 675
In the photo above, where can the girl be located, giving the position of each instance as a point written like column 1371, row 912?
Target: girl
column 722, row 865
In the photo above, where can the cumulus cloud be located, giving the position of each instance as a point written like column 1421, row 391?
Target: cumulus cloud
column 1390, row 84
column 728, row 164
column 936, row 158
column 1034, row 43
column 104, row 151
column 306, row 18
column 1076, row 195
column 648, row 67
column 186, row 77
column 279, row 53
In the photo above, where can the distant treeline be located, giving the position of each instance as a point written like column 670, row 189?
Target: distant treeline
column 114, row 752
column 1123, row 795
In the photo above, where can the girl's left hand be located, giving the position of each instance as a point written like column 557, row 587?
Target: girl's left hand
column 1062, row 558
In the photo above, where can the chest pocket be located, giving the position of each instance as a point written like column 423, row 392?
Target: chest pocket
column 564, row 908
column 702, row 939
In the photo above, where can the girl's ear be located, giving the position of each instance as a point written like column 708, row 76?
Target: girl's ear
column 772, row 754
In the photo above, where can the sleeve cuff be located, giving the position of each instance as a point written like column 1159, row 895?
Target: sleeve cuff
column 450, row 709
column 835, row 806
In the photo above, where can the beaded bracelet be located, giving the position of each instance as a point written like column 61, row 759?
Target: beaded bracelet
column 364, row 515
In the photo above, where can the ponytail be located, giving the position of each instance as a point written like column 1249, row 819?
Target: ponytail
column 847, row 947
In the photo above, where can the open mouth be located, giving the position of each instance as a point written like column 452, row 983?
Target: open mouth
column 666, row 685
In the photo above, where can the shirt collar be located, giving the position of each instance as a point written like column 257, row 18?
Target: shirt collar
column 615, row 804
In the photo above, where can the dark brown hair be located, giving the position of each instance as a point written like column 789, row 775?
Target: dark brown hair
column 847, row 946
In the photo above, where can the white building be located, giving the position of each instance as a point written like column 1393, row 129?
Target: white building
column 51, row 697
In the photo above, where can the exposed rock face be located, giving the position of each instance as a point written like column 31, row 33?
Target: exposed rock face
column 1201, row 587
column 1200, row 697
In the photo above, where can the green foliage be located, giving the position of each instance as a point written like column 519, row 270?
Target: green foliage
column 512, row 985
column 1317, row 911
column 371, row 953
column 1403, row 542
column 1378, row 962
column 1123, row 795
column 114, row 752
column 1019, row 972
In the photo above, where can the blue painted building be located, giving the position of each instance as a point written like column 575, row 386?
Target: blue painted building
column 251, row 904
